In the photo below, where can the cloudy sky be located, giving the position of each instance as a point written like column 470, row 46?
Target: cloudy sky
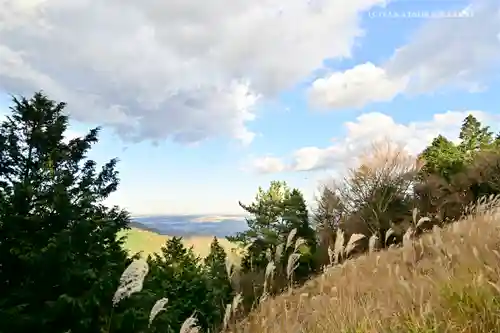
column 204, row 101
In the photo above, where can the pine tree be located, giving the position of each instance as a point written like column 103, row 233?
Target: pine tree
column 273, row 215
column 60, row 260
column 266, row 226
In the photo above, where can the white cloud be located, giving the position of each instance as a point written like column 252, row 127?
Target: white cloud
column 310, row 158
column 360, row 134
column 444, row 53
column 268, row 164
column 356, row 87
column 182, row 69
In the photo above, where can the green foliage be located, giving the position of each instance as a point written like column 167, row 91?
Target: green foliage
column 60, row 260
column 266, row 226
column 474, row 136
column 443, row 158
column 446, row 159
column 219, row 285
column 273, row 214
column 296, row 216
column 455, row 175
column 190, row 287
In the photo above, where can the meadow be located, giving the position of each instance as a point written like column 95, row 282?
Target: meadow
column 149, row 242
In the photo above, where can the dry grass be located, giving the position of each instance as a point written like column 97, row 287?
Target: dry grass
column 446, row 281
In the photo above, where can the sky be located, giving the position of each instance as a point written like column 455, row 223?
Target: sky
column 205, row 101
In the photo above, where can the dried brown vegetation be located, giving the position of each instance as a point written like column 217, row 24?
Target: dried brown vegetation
column 431, row 274
column 445, row 281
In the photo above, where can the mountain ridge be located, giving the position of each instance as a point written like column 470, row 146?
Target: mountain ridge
column 191, row 225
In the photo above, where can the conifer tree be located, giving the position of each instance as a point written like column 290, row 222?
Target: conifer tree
column 273, row 215
column 296, row 216
column 474, row 136
column 221, row 291
column 177, row 274
column 60, row 260
column 266, row 226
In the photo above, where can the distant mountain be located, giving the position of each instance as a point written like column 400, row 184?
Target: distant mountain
column 142, row 226
column 191, row 225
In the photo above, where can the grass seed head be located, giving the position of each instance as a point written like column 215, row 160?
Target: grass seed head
column 290, row 238
column 190, row 325
column 351, row 245
column 131, row 281
column 157, row 308
column 293, row 263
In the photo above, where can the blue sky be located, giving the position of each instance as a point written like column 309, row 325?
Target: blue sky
column 205, row 102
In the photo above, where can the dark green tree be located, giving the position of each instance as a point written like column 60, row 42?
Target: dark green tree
column 296, row 216
column 177, row 274
column 221, row 291
column 60, row 259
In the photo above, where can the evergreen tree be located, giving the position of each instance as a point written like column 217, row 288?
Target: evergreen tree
column 266, row 226
column 60, row 260
column 297, row 217
column 177, row 274
column 274, row 214
column 221, row 291
column 474, row 136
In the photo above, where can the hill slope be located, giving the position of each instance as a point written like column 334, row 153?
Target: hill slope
column 446, row 282
column 149, row 242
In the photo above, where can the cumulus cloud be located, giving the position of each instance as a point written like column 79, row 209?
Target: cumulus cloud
column 356, row 87
column 443, row 53
column 361, row 133
column 154, row 69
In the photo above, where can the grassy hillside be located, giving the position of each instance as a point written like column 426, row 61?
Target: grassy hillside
column 448, row 281
column 150, row 242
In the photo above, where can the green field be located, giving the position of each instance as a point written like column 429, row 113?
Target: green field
column 150, row 242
